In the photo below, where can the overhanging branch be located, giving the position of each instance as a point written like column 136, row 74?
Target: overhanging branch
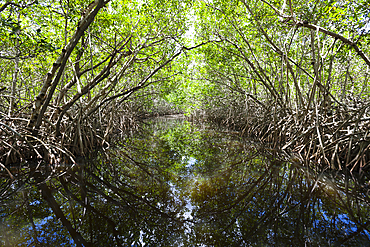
column 337, row 36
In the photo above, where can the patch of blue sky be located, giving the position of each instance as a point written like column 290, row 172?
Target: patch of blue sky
column 40, row 238
column 43, row 221
column 191, row 162
column 350, row 226
column 36, row 202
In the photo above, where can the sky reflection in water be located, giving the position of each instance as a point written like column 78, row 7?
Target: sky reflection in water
column 178, row 184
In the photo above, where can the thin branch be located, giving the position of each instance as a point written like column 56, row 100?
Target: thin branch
column 337, row 36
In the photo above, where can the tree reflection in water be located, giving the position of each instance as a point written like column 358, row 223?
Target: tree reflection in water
column 176, row 184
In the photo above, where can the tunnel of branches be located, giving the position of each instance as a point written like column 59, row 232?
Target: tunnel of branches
column 77, row 75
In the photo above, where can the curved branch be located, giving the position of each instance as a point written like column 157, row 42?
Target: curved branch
column 337, row 36
column 320, row 29
column 43, row 98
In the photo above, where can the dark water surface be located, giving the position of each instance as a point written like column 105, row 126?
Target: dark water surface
column 178, row 184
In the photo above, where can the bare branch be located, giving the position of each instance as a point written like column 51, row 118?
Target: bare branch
column 337, row 36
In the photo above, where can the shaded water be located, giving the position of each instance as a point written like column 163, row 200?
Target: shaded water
column 177, row 184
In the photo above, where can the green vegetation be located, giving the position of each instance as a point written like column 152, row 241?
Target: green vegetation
column 155, row 189
column 293, row 74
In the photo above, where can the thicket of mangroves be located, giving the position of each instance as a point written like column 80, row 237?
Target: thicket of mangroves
column 292, row 74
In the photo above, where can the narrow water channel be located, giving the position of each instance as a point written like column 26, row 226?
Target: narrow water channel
column 174, row 183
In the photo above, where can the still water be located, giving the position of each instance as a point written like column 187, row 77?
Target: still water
column 174, row 183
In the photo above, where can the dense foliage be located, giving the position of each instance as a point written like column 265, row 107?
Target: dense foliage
column 291, row 73
column 77, row 74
